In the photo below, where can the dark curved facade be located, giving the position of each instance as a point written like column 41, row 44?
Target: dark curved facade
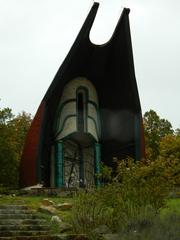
column 110, row 68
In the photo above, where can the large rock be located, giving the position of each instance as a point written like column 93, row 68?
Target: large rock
column 56, row 220
column 47, row 209
column 112, row 236
column 64, row 206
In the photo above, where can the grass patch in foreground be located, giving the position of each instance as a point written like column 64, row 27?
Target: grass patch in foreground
column 172, row 206
column 164, row 226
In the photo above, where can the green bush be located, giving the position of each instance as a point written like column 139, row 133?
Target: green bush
column 131, row 201
column 145, row 183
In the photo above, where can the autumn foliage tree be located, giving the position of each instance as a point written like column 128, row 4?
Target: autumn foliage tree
column 155, row 129
column 163, row 145
column 13, row 130
column 169, row 152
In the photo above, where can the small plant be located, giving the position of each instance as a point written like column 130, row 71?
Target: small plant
column 87, row 212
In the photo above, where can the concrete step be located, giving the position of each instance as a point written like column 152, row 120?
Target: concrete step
column 47, row 237
column 22, row 233
column 16, row 207
column 42, row 237
column 19, row 222
column 23, row 227
column 18, row 216
column 16, row 211
column 22, row 221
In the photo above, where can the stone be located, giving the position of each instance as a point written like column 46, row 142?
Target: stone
column 64, row 206
column 47, row 209
column 33, row 187
column 47, row 202
column 64, row 227
column 56, row 220
column 102, row 229
column 111, row 236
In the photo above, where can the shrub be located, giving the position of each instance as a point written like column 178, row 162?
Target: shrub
column 131, row 201
column 145, row 183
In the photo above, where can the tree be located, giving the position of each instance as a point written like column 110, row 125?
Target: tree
column 177, row 132
column 170, row 147
column 12, row 134
column 5, row 116
column 8, row 156
column 155, row 129
column 20, row 124
column 169, row 153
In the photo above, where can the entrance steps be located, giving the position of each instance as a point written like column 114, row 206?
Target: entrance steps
column 18, row 222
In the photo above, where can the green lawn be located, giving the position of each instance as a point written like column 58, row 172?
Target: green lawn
column 172, row 206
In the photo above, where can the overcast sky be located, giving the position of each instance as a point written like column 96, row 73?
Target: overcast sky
column 36, row 35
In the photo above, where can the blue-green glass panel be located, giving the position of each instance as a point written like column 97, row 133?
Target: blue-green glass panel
column 97, row 163
column 59, row 174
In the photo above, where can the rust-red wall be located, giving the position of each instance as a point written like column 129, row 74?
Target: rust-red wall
column 28, row 166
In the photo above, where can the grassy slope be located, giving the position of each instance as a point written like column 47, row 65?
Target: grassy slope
column 34, row 202
column 172, row 205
